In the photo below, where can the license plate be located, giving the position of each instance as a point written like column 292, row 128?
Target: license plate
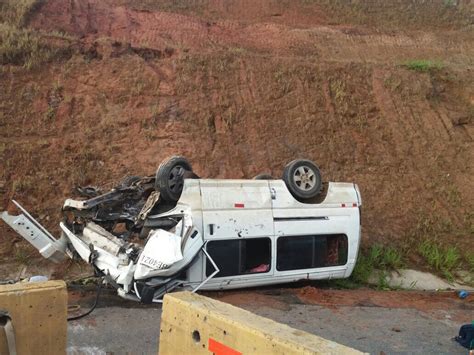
column 152, row 263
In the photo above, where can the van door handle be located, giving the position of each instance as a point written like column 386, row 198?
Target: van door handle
column 211, row 229
column 273, row 193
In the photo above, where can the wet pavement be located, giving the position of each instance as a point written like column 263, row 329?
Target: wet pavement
column 119, row 326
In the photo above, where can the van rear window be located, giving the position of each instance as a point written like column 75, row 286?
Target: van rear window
column 312, row 251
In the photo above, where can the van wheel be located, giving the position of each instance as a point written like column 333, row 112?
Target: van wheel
column 264, row 177
column 170, row 177
column 303, row 179
column 144, row 232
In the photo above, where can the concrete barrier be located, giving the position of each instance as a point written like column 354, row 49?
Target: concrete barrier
column 193, row 324
column 38, row 313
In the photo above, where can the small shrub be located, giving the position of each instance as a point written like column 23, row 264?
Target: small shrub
column 383, row 282
column 362, row 270
column 385, row 257
column 377, row 257
column 431, row 253
column 375, row 254
column 423, row 65
column 440, row 259
column 392, row 258
column 451, row 258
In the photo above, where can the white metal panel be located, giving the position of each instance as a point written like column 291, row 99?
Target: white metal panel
column 332, row 221
column 236, row 208
column 338, row 193
column 30, row 229
column 224, row 194
column 191, row 195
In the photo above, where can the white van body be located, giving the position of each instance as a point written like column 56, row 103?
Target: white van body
column 231, row 234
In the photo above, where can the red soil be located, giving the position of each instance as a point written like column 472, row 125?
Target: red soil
column 241, row 89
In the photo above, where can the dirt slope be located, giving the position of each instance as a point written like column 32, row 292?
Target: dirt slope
column 242, row 88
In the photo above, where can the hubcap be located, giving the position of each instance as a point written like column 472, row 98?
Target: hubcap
column 304, row 178
column 175, row 180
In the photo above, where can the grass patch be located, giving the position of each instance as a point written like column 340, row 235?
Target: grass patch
column 385, row 257
column 17, row 12
column 26, row 48
column 441, row 259
column 23, row 47
column 391, row 259
column 362, row 270
column 422, row 65
column 470, row 261
column 377, row 257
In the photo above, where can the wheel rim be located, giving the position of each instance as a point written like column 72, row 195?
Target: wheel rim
column 175, row 179
column 304, row 178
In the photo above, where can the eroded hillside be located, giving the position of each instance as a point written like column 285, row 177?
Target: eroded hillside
column 380, row 95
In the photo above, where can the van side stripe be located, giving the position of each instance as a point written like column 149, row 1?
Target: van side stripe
column 281, row 219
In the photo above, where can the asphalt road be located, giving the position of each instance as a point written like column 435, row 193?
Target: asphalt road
column 124, row 327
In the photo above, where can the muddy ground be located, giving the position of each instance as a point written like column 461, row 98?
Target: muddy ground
column 390, row 322
column 242, row 88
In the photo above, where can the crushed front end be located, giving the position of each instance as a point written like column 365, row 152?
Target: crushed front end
column 141, row 258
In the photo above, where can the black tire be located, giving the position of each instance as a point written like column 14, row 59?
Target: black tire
column 264, row 177
column 170, row 177
column 303, row 179
column 144, row 232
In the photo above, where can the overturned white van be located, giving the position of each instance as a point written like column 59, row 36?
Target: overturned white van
column 219, row 234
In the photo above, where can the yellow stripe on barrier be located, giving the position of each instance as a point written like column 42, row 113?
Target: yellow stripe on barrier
column 193, row 324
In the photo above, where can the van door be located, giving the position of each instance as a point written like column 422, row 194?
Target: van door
column 238, row 228
column 315, row 240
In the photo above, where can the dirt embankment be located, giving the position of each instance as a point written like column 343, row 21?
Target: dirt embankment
column 242, row 88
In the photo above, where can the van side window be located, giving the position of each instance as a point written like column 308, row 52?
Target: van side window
column 239, row 257
column 308, row 252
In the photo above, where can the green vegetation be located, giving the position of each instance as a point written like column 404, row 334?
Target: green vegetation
column 17, row 12
column 391, row 259
column 377, row 257
column 363, row 269
column 470, row 261
column 439, row 258
column 22, row 47
column 385, row 257
column 431, row 229
column 423, row 65
column 18, row 45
